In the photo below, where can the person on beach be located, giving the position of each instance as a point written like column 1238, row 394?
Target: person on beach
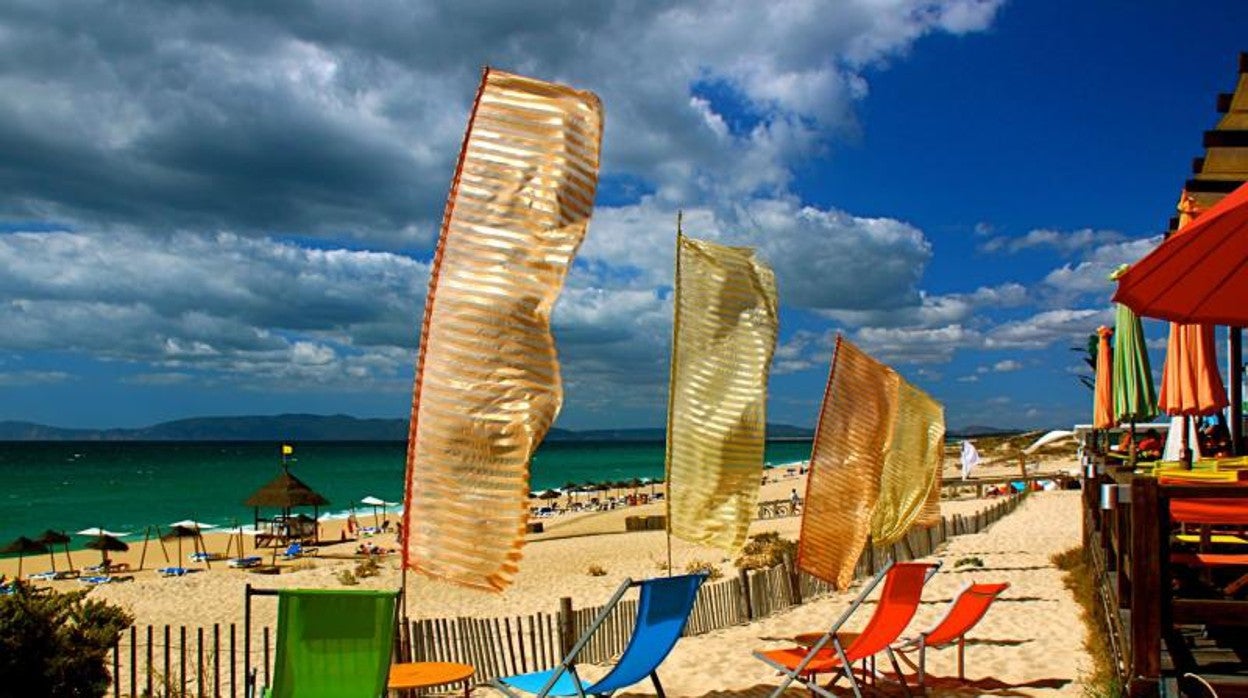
column 795, row 502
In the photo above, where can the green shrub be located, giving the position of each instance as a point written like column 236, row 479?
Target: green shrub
column 56, row 644
column 347, row 578
column 596, row 570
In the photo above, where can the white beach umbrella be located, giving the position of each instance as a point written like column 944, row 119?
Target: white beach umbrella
column 97, row 532
column 188, row 523
column 377, row 503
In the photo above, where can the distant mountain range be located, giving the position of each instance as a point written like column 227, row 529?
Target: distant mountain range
column 309, row 427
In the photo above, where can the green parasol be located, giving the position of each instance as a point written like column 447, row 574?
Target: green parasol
column 1134, row 396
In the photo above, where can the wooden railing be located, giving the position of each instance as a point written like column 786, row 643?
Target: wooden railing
column 1128, row 541
column 181, row 661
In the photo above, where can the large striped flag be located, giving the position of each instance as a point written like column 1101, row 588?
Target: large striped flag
column 874, row 468
column 487, row 382
column 723, row 339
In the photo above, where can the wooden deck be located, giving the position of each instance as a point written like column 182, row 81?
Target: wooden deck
column 1165, row 620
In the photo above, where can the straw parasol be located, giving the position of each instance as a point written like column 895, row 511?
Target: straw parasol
column 106, row 544
column 51, row 538
column 180, row 529
column 23, row 545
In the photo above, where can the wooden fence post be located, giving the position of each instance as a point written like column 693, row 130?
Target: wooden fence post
column 744, row 577
column 567, row 627
column 795, row 581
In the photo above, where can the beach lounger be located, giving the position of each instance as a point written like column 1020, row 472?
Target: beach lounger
column 964, row 612
column 95, row 580
column 662, row 611
column 330, row 642
column 203, row 557
column 835, row 651
column 171, row 571
column 244, row 562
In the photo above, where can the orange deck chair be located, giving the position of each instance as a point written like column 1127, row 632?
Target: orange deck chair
column 1206, row 515
column 836, row 650
column 964, row 612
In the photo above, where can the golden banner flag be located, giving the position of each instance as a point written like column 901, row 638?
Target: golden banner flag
column 487, row 382
column 874, row 468
column 724, row 336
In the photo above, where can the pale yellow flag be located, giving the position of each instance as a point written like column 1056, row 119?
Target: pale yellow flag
column 875, row 465
column 487, row 378
column 723, row 340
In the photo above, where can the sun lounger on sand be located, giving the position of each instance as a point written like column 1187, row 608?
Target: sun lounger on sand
column 244, row 562
column 172, row 571
column 50, row 575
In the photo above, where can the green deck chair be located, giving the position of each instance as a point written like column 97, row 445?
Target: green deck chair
column 330, row 643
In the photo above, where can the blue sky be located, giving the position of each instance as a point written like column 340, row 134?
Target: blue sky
column 230, row 210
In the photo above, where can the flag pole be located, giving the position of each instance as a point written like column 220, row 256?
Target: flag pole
column 667, row 460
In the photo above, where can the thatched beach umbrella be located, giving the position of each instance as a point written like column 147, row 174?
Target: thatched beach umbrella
column 23, row 545
column 51, row 538
column 106, row 544
column 178, row 531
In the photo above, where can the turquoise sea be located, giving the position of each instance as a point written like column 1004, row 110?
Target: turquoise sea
column 128, row 485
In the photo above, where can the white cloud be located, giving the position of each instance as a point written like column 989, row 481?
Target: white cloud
column 915, row 346
column 1045, row 328
column 13, row 379
column 1064, row 242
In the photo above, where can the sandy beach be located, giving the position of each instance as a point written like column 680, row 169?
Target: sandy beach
column 1031, row 640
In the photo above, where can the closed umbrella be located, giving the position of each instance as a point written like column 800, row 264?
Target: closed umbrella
column 51, row 538
column 1103, row 400
column 1191, row 384
column 23, row 545
column 1134, row 397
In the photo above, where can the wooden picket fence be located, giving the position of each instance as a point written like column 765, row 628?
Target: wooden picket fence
column 181, row 661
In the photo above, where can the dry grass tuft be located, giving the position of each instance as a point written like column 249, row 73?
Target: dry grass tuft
column 1103, row 681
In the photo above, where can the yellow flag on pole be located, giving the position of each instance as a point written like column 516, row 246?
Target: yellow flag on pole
column 724, row 336
column 487, row 382
column 874, row 468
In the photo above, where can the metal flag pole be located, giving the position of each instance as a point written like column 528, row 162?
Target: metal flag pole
column 667, row 460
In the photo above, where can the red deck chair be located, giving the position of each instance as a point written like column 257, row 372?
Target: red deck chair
column 964, row 612
column 836, row 651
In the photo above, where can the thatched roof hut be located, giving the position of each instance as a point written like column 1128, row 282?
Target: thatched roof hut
column 285, row 492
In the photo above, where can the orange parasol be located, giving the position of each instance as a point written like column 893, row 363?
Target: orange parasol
column 1200, row 273
column 1103, row 402
column 1190, row 382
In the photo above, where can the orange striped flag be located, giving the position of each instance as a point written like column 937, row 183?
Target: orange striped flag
column 874, row 468
column 724, row 336
column 487, row 382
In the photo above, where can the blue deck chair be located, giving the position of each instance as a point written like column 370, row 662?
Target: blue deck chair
column 662, row 611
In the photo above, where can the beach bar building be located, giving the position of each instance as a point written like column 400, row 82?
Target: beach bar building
column 1168, row 541
column 285, row 493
